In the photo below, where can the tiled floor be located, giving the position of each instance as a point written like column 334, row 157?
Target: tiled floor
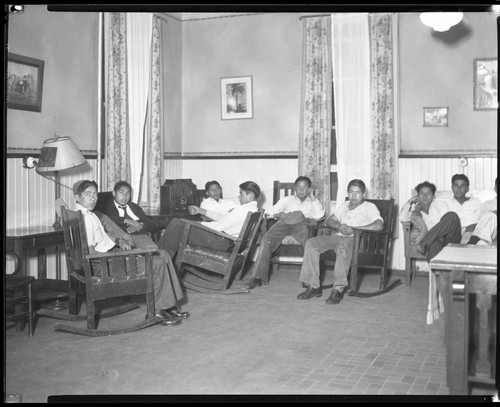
column 266, row 342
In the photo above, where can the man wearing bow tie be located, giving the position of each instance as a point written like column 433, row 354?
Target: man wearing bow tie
column 130, row 217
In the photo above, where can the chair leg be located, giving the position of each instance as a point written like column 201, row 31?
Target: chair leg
column 354, row 277
column 408, row 271
column 91, row 323
column 30, row 312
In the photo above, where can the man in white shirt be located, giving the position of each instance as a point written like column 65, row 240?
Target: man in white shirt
column 462, row 217
column 167, row 289
column 294, row 214
column 485, row 232
column 423, row 211
column 356, row 212
column 230, row 224
column 213, row 207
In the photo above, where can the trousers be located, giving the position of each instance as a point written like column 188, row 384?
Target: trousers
column 447, row 230
column 315, row 246
column 272, row 240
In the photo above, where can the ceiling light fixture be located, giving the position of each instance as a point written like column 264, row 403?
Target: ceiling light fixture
column 441, row 21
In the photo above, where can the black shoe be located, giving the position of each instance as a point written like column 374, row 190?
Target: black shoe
column 176, row 312
column 336, row 296
column 168, row 319
column 254, row 282
column 309, row 293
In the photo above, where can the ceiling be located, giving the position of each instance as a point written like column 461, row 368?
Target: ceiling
column 202, row 16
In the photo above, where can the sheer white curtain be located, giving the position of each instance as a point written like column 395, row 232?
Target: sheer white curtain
column 139, row 31
column 351, row 79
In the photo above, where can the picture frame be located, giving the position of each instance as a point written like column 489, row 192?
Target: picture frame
column 236, row 98
column 485, row 72
column 24, row 82
column 435, row 116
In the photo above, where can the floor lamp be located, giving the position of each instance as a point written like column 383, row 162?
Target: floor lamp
column 58, row 154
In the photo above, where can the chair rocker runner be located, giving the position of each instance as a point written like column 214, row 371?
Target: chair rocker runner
column 101, row 276
column 212, row 271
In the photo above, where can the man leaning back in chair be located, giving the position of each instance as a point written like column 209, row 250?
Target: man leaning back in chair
column 167, row 289
column 294, row 214
column 354, row 213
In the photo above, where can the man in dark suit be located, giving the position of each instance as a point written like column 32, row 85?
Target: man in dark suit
column 130, row 217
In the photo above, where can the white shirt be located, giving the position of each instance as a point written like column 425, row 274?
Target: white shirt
column 436, row 211
column 468, row 212
column 234, row 220
column 96, row 235
column 361, row 215
column 216, row 210
column 311, row 209
column 488, row 206
column 121, row 212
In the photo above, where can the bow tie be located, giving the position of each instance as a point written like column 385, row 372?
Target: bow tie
column 123, row 207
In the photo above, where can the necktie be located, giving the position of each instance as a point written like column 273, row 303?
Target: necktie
column 125, row 210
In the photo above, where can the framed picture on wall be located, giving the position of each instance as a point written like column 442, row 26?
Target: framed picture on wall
column 236, row 98
column 24, row 83
column 485, row 83
column 435, row 117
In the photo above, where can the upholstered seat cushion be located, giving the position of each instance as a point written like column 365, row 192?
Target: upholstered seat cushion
column 204, row 252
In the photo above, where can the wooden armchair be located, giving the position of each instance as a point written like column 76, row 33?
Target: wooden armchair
column 411, row 253
column 371, row 248
column 212, row 271
column 101, row 276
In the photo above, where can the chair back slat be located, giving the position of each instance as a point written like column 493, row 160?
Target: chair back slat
column 249, row 230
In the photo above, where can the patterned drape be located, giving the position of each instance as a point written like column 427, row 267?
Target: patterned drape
column 117, row 150
column 382, row 106
column 316, row 105
column 153, row 157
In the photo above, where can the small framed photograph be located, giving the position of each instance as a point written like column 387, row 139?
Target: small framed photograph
column 435, row 117
column 24, row 83
column 485, row 84
column 236, row 98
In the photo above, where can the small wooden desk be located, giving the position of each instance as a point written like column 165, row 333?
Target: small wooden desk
column 23, row 240
column 468, row 281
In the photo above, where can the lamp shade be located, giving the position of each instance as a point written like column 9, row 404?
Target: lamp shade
column 441, row 21
column 59, row 153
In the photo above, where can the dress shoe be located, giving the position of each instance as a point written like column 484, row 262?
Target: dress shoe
column 336, row 296
column 309, row 293
column 176, row 312
column 254, row 282
column 168, row 319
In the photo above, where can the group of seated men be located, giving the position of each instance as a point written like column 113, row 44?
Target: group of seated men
column 125, row 225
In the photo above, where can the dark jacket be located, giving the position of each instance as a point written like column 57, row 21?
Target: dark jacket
column 112, row 212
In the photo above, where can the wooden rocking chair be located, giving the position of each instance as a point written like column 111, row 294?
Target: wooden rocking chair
column 101, row 276
column 212, row 271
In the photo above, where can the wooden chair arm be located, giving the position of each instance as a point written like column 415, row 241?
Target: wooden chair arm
column 377, row 232
column 198, row 225
column 121, row 253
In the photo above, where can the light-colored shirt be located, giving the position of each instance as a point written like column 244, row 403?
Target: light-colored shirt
column 311, row 209
column 96, row 235
column 468, row 212
column 436, row 211
column 216, row 210
column 488, row 206
column 234, row 220
column 362, row 215
column 121, row 212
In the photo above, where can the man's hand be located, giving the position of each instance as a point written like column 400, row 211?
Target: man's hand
column 133, row 225
column 345, row 229
column 123, row 244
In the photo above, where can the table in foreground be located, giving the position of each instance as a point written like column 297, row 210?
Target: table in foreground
column 468, row 282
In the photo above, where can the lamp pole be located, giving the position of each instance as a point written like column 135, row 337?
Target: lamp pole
column 57, row 224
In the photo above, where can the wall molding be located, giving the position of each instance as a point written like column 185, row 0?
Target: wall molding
column 21, row 152
column 447, row 153
column 216, row 155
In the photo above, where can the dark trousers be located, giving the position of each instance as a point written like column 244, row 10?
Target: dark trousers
column 272, row 240
column 447, row 230
column 171, row 238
